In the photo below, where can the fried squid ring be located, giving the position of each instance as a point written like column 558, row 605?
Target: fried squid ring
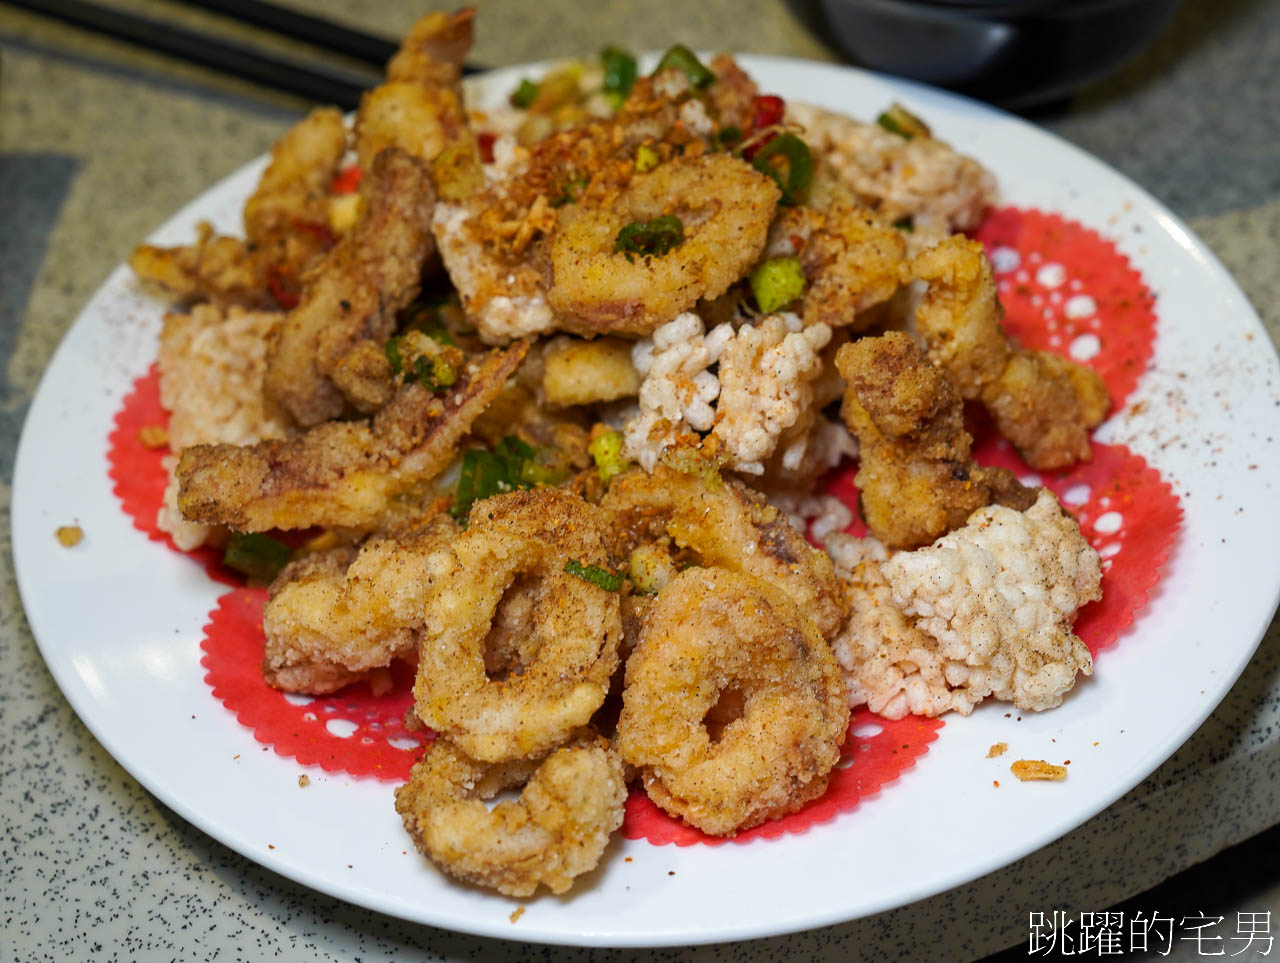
column 718, row 645
column 557, row 830
column 724, row 523
column 571, row 648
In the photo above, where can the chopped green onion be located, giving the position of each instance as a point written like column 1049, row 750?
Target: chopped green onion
column 597, row 576
column 905, row 224
column 512, row 465
column 646, row 158
column 651, row 239
column 799, row 162
column 777, row 282
column 606, row 451
column 619, row 74
column 898, row 120
column 434, row 373
column 728, row 136
column 570, row 193
column 686, row 60
column 392, row 350
column 524, row 95
column 260, row 557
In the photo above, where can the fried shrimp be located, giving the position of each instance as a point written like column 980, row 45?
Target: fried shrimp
column 725, row 524
column 917, row 477
column 573, row 629
column 733, row 648
column 1044, row 404
column 724, row 207
column 571, row 803
column 336, row 617
column 359, row 475
column 354, row 294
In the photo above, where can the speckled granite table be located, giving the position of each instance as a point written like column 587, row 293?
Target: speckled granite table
column 98, row 143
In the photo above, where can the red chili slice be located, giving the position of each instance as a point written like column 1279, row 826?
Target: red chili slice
column 484, row 141
column 348, row 180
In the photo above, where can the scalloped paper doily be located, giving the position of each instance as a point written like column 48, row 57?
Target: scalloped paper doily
column 1067, row 289
column 352, row 731
column 138, row 474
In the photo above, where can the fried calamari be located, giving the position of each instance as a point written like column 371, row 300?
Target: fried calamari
column 352, row 474
column 916, row 476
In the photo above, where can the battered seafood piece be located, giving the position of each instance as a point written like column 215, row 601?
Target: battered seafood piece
column 212, row 362
column 420, row 109
column 916, row 477
column 724, row 207
column 736, row 649
column 571, row 803
column 1044, row 404
column 920, row 178
column 358, row 475
column 852, row 261
column 338, row 617
column 999, row 597
column 574, row 627
column 286, row 226
column 354, row 294
column 724, row 524
column 586, row 372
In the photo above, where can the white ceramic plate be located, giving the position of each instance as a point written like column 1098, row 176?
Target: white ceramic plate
column 118, row 618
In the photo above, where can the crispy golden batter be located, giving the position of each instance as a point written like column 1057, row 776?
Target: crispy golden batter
column 724, row 206
column 726, row 524
column 579, row 372
column 917, row 478
column 335, row 617
column 853, row 261
column 218, row 269
column 733, row 705
column 286, row 222
column 353, row 474
column 354, row 294
column 419, row 108
column 1044, row 404
column 571, row 803
column 570, row 644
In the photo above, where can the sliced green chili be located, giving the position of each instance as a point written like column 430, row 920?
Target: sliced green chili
column 260, row 557
column 686, row 60
column 650, row 239
column 597, row 576
column 776, row 283
column 619, row 74
column 799, row 162
column 525, row 94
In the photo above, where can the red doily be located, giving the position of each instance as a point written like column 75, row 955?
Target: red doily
column 138, row 473
column 352, row 731
column 1067, row 289
column 876, row 753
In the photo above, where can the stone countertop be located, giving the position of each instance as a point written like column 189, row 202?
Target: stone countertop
column 99, row 143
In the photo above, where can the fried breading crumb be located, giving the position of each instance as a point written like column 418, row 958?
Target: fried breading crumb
column 304, row 781
column 69, row 535
column 999, row 749
column 516, row 914
column 1037, row 770
column 153, row 436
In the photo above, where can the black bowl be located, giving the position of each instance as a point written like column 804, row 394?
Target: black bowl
column 1016, row 53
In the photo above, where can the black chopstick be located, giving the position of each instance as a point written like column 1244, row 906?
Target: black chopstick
column 323, row 83
column 314, row 80
column 317, row 31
